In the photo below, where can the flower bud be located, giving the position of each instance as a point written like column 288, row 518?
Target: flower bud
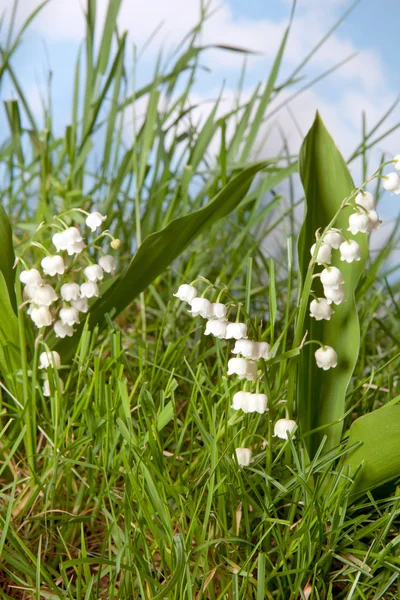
column 216, row 328
column 243, row 456
column 282, row 427
column 53, row 265
column 41, row 316
column 62, row 330
column 320, row 309
column 69, row 291
column 333, row 238
column 47, row 359
column 244, row 369
column 331, row 277
column 186, row 293
column 95, row 220
column 202, row 307
column 69, row 315
column 324, row 254
column 115, row 244
column 358, row 223
column 391, row 183
column 350, row 251
column 107, row 263
column 89, row 290
column 366, row 200
column 326, row 358
column 93, row 273
column 236, row 331
column 219, row 310
column 30, row 277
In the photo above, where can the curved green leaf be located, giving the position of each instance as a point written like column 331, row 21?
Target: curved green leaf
column 321, row 394
column 377, row 459
column 7, row 257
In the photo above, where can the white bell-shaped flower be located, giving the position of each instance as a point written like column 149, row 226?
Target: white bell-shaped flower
column 93, row 273
column 244, row 369
column 41, row 295
column 333, row 238
column 41, row 316
column 186, row 293
column 350, row 251
column 30, row 277
column 95, row 220
column 201, row 307
column 243, row 456
column 324, row 254
column 89, row 289
column 236, row 331
column 81, row 304
column 69, row 291
column 264, row 350
column 46, row 388
column 66, row 239
column 358, row 223
column 75, row 248
column 219, row 310
column 240, row 401
column 326, row 358
column 366, row 200
column 53, row 265
column 320, row 309
column 257, row 403
column 107, row 263
column 216, row 328
column 253, row 350
column 62, row 330
column 335, row 295
column 397, row 162
column 391, row 183
column 331, row 277
column 69, row 315
column 374, row 220
column 50, row 358
column 282, row 427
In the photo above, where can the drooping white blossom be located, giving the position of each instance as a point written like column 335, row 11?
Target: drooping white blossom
column 185, row 293
column 335, row 295
column 243, row 456
column 350, row 251
column 331, row 277
column 366, row 200
column 324, row 254
column 252, row 350
column 93, row 273
column 244, row 369
column 333, row 238
column 41, row 295
column 326, row 358
column 95, row 220
column 282, row 427
column 236, row 331
column 89, row 289
column 30, row 277
column 201, row 307
column 53, row 265
column 250, row 403
column 358, row 223
column 69, row 239
column 107, row 263
column 391, row 182
column 69, row 315
column 50, row 358
column 62, row 330
column 219, row 310
column 216, row 328
column 46, row 388
column 81, row 304
column 320, row 309
column 41, row 316
column 374, row 221
column 69, row 291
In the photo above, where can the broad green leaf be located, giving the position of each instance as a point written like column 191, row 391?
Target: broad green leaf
column 7, row 257
column 159, row 250
column 10, row 359
column 321, row 394
column 377, row 459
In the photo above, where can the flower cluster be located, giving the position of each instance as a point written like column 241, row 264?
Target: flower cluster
column 247, row 352
column 41, row 295
column 363, row 220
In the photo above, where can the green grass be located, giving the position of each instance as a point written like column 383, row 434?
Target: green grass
column 131, row 490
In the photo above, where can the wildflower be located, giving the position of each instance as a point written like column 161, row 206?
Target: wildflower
column 53, row 265
column 333, row 238
column 397, row 162
column 282, row 427
column 30, row 277
column 243, row 456
column 350, row 251
column 115, row 244
column 366, row 200
column 245, row 369
column 42, row 295
column 75, row 248
column 236, row 331
column 216, row 328
column 62, row 330
column 253, row 350
column 95, row 220
column 185, row 292
column 41, row 316
column 69, row 315
column 320, row 309
column 335, row 295
column 250, row 403
column 331, row 277
column 68, row 239
column 107, row 263
column 219, row 310
column 89, row 290
column 240, row 401
column 373, row 220
column 46, row 388
column 47, row 359
column 324, row 254
column 391, row 183
column 93, row 273
column 358, row 223
column 326, row 358
column 69, row 291
column 80, row 304
column 202, row 307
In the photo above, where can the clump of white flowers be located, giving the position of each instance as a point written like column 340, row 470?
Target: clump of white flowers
column 59, row 302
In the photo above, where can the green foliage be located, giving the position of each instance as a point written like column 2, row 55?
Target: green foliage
column 321, row 394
